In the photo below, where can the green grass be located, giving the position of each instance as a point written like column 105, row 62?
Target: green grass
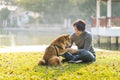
column 23, row 66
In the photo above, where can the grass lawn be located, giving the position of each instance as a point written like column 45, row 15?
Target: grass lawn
column 23, row 66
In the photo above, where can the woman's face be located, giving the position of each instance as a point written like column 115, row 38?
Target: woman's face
column 77, row 32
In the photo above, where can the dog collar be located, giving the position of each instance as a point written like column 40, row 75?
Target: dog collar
column 56, row 49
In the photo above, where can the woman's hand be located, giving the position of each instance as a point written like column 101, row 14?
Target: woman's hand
column 72, row 51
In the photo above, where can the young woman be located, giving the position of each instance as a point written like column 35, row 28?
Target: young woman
column 83, row 41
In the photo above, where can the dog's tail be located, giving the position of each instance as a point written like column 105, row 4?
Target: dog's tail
column 41, row 62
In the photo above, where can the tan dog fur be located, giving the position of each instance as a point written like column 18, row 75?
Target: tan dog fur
column 50, row 57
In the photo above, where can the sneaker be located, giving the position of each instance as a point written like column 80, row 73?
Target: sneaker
column 78, row 61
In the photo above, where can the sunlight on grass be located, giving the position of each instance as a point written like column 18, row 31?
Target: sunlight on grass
column 23, row 66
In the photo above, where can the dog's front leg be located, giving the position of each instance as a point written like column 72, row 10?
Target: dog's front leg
column 72, row 51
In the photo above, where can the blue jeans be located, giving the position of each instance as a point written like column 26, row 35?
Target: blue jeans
column 84, row 55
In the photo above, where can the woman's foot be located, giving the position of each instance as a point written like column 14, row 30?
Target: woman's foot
column 72, row 61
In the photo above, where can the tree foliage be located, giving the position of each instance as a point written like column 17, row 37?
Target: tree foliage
column 58, row 10
column 4, row 14
column 53, row 10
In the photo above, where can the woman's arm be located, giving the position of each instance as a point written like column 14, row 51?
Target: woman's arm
column 88, row 42
column 72, row 51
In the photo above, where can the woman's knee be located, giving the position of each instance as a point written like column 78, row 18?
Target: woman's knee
column 87, row 56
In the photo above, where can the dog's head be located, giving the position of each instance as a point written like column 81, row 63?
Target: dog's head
column 65, row 39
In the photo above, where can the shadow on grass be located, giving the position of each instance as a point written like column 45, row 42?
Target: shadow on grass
column 48, row 72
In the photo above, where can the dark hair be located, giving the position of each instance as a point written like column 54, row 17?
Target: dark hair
column 79, row 24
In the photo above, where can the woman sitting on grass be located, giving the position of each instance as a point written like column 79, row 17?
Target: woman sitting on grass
column 83, row 41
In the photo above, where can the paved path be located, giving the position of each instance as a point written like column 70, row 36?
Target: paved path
column 23, row 49
column 39, row 48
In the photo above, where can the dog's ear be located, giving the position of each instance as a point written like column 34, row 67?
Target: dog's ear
column 67, row 36
column 64, row 37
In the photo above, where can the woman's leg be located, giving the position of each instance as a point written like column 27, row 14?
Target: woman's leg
column 85, row 56
column 68, row 56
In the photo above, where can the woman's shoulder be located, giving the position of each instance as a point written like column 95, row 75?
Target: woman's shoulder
column 87, row 34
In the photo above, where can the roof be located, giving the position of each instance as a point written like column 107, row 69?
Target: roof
column 113, row 0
